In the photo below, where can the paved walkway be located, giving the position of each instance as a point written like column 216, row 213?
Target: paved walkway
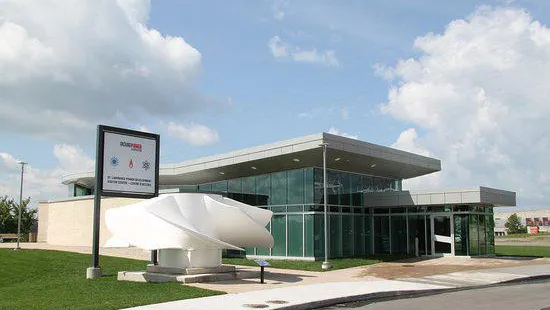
column 317, row 295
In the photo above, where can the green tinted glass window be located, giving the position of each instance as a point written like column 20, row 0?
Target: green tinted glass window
column 359, row 235
column 381, row 231
column 263, row 186
column 356, row 190
column 482, row 235
column 205, row 187
column 399, row 234
column 473, row 235
column 219, row 186
column 278, row 231
column 318, row 185
column 318, row 235
column 308, row 185
column 368, row 235
column 490, row 224
column 295, row 208
column 345, row 195
column 335, row 238
column 461, row 234
column 295, row 186
column 295, row 235
column 347, row 235
column 234, row 188
column 309, row 234
column 249, row 185
column 278, row 188
column 334, row 187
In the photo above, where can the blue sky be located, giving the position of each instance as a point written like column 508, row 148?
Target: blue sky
column 254, row 72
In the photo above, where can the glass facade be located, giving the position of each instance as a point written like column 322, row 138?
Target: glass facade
column 296, row 199
column 354, row 230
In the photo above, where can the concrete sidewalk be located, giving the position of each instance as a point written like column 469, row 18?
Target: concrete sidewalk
column 318, row 295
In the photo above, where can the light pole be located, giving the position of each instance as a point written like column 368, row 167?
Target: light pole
column 17, row 248
column 326, row 265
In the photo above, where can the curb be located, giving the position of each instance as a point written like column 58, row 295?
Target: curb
column 363, row 297
column 526, row 278
column 390, row 295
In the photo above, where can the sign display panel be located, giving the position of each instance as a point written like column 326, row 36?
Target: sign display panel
column 129, row 163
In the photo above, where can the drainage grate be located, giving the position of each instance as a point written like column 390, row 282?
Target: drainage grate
column 277, row 302
column 256, row 306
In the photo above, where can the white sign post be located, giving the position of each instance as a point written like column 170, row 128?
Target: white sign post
column 127, row 165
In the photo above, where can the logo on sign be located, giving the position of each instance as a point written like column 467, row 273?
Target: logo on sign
column 114, row 161
column 133, row 146
column 146, row 165
column 131, row 164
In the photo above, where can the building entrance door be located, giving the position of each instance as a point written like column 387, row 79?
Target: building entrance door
column 442, row 234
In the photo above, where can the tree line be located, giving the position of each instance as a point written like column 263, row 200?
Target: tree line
column 9, row 212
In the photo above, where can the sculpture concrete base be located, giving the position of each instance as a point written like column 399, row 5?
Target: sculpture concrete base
column 188, row 271
column 186, row 275
column 184, row 259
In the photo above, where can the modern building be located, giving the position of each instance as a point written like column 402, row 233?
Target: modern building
column 367, row 210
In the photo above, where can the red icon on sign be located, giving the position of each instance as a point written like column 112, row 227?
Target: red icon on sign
column 131, row 164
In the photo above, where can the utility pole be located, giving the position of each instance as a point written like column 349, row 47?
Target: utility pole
column 17, row 248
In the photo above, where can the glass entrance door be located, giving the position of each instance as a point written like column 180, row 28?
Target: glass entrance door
column 442, row 234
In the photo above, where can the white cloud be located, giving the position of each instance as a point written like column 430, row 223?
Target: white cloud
column 408, row 141
column 68, row 65
column 143, row 128
column 41, row 184
column 8, row 164
column 281, row 49
column 278, row 47
column 72, row 158
column 479, row 92
column 334, row 131
column 327, row 58
column 195, row 134
column 278, row 8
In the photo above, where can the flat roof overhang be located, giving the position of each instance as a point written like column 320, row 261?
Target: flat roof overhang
column 342, row 154
column 479, row 195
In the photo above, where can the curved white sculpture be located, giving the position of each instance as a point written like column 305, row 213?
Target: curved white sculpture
column 190, row 229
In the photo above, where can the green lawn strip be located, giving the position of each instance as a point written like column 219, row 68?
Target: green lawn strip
column 337, row 263
column 523, row 235
column 38, row 279
column 530, row 251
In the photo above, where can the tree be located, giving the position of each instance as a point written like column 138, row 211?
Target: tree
column 513, row 224
column 9, row 212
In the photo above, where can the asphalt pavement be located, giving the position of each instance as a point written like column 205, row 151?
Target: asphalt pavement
column 528, row 295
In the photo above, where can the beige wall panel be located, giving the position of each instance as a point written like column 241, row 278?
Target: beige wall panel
column 69, row 223
column 43, row 221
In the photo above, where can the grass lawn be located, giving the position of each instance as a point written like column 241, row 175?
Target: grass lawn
column 337, row 263
column 524, row 235
column 513, row 250
column 37, row 279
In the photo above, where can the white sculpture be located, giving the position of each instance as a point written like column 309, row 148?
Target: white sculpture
column 189, row 230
